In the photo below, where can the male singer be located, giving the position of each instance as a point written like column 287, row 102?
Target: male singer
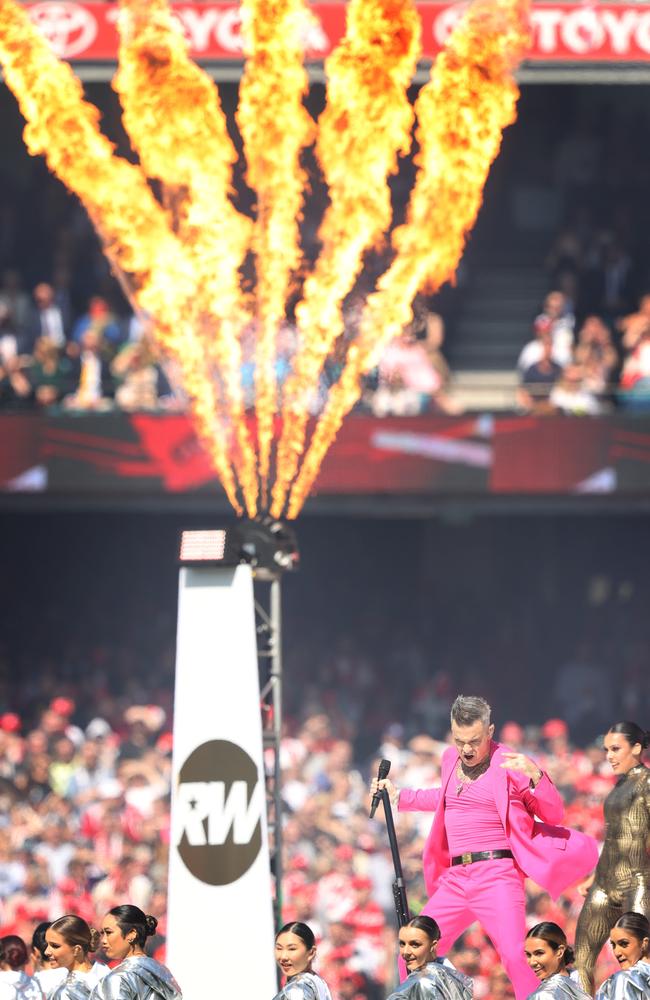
column 487, row 837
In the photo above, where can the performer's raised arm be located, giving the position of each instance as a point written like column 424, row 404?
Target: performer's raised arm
column 408, row 799
column 539, row 794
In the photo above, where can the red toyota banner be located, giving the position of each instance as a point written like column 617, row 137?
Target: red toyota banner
column 562, row 32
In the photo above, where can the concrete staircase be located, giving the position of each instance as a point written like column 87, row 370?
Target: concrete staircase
column 494, row 322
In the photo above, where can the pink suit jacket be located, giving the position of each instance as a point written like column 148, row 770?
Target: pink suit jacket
column 552, row 856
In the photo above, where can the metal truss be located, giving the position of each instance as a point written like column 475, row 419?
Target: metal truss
column 268, row 624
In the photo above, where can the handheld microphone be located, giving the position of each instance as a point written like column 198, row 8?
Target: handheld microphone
column 382, row 772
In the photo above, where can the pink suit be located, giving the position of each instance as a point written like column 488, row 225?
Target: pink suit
column 492, row 891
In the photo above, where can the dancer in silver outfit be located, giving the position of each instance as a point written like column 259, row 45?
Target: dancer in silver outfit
column 124, row 932
column 70, row 942
column 549, row 955
column 295, row 950
column 428, row 978
column 630, row 941
column 13, row 959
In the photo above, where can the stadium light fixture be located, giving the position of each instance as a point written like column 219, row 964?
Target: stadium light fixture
column 268, row 545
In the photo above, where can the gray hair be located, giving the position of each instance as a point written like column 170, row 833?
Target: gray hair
column 467, row 710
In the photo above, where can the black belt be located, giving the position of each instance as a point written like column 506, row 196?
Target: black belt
column 471, row 857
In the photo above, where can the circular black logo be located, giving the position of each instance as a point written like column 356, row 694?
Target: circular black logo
column 219, row 804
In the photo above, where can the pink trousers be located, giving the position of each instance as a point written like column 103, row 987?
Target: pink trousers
column 491, row 892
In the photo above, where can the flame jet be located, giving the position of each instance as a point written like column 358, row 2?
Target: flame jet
column 133, row 228
column 366, row 124
column 275, row 127
column 173, row 114
column 469, row 99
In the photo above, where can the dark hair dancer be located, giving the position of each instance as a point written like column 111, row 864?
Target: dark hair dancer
column 13, row 959
column 549, row 954
column 295, row 950
column 621, row 881
column 428, row 978
column 124, row 932
column 630, row 941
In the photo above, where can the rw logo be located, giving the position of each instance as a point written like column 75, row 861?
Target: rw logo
column 209, row 815
column 218, row 815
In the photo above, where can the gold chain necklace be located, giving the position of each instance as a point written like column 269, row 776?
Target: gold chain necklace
column 465, row 776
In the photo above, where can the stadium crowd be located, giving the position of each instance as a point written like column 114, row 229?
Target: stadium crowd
column 103, row 360
column 589, row 371
column 68, row 338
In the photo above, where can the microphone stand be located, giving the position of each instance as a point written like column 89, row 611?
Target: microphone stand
column 399, row 889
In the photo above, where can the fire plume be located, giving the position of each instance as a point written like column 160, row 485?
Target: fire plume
column 64, row 128
column 176, row 124
column 275, row 127
column 365, row 126
column 181, row 259
column 470, row 98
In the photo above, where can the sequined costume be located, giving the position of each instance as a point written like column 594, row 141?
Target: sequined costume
column 49, row 979
column 305, row 986
column 26, row 988
column 79, row 985
column 622, row 876
column 435, row 982
column 628, row 984
column 559, row 987
column 138, row 978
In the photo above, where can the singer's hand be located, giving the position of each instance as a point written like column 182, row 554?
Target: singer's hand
column 393, row 793
column 519, row 762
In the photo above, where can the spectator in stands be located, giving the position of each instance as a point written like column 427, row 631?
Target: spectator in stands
column 408, row 381
column 46, row 318
column 537, row 381
column 9, row 341
column 597, row 356
column 94, row 387
column 51, row 373
column 572, row 395
column 555, row 320
column 565, row 255
column 100, row 319
column 31, row 903
column 433, row 340
column 134, row 368
column 15, row 387
column 15, row 300
column 634, row 391
column 89, row 772
column 608, row 285
column 56, row 849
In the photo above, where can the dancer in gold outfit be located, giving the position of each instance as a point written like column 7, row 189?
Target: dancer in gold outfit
column 621, row 881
